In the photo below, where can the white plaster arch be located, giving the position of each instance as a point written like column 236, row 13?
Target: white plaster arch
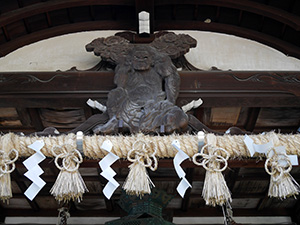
column 213, row 49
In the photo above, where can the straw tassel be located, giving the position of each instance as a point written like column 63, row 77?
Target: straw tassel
column 278, row 166
column 7, row 166
column 215, row 190
column 138, row 181
column 69, row 184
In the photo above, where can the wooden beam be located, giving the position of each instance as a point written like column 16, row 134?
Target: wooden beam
column 92, row 12
column 48, row 6
column 195, row 212
column 36, row 119
column 6, row 34
column 211, row 211
column 2, row 215
column 252, row 118
column 49, row 22
column 296, row 213
column 24, row 117
column 225, row 89
column 231, row 177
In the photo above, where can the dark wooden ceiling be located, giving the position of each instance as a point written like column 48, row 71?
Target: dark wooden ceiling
column 272, row 22
column 254, row 101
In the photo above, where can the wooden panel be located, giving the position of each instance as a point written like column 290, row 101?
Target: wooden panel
column 46, row 202
column 244, row 203
column 269, row 117
column 62, row 118
column 10, row 123
column 37, row 22
column 8, row 112
column 8, row 5
column 59, row 17
column 16, row 203
column 16, row 29
column 9, row 118
column 224, row 115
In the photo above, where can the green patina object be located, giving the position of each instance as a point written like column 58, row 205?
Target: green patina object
column 143, row 211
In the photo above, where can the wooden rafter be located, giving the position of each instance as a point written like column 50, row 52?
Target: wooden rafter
column 247, row 6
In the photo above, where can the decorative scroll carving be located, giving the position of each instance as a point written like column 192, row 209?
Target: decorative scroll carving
column 291, row 78
column 27, row 78
column 105, row 65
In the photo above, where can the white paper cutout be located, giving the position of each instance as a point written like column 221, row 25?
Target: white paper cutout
column 34, row 170
column 201, row 143
column 107, row 172
column 294, row 160
column 96, row 105
column 178, row 159
column 192, row 105
column 79, row 141
column 264, row 148
column 144, row 22
column 253, row 148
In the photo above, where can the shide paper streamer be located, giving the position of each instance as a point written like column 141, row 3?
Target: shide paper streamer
column 34, row 170
column 178, row 159
column 107, row 172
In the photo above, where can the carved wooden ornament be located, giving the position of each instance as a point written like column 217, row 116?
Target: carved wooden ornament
column 147, row 83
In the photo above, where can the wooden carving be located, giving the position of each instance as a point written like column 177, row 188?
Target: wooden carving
column 147, row 83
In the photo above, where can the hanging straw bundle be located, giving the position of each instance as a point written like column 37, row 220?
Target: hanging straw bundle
column 8, row 156
column 7, row 165
column 69, row 184
column 278, row 166
column 138, row 181
column 215, row 190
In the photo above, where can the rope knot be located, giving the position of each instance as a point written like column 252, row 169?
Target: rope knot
column 277, row 164
column 7, row 161
column 141, row 153
column 211, row 158
column 138, row 181
column 70, row 160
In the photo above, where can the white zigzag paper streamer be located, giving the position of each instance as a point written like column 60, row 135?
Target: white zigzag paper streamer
column 34, row 170
column 107, row 172
column 178, row 159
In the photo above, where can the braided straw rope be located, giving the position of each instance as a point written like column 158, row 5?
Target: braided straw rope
column 233, row 144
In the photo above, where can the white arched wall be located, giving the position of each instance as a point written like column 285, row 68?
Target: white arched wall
column 213, row 49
